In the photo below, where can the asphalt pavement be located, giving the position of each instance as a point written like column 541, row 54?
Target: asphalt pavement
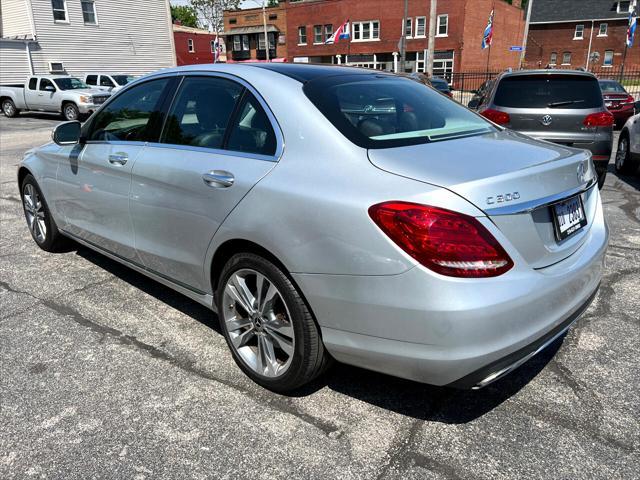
column 107, row 374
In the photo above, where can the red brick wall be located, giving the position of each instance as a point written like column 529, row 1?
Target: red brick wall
column 467, row 20
column 252, row 17
column 508, row 31
column 202, row 46
column 544, row 39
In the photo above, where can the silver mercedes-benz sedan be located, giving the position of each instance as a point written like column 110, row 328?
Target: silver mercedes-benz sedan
column 331, row 213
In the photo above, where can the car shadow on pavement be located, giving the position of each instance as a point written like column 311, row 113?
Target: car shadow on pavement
column 151, row 287
column 631, row 180
column 405, row 397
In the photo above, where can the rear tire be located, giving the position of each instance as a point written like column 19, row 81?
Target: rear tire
column 70, row 112
column 39, row 220
column 625, row 164
column 9, row 108
column 270, row 331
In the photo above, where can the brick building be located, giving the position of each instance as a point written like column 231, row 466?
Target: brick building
column 244, row 34
column 194, row 45
column 376, row 28
column 586, row 33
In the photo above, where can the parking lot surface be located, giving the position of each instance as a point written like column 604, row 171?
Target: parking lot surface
column 107, row 374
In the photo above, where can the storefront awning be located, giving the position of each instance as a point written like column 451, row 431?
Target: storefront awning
column 250, row 30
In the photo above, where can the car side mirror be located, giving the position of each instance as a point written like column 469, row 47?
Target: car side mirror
column 473, row 104
column 50, row 88
column 67, row 133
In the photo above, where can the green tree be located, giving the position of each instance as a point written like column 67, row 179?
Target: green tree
column 272, row 3
column 211, row 11
column 186, row 15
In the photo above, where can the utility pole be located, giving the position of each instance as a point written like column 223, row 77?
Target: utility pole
column 264, row 24
column 403, row 38
column 526, row 33
column 431, row 47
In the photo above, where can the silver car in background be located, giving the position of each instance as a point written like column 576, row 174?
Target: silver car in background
column 331, row 213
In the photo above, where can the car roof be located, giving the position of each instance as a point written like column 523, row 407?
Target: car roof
column 546, row 71
column 305, row 72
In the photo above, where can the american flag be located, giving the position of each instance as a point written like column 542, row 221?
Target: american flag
column 633, row 21
column 488, row 33
column 342, row 33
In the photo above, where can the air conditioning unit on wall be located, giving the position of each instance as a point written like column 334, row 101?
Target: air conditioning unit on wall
column 56, row 67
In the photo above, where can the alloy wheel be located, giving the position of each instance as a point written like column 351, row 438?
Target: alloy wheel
column 70, row 112
column 258, row 322
column 8, row 109
column 621, row 156
column 35, row 212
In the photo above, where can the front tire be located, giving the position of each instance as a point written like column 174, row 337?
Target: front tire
column 269, row 329
column 625, row 164
column 39, row 220
column 70, row 112
column 9, row 108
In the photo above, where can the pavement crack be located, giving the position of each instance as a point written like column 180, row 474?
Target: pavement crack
column 281, row 404
column 11, row 198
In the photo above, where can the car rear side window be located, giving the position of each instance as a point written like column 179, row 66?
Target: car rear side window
column 92, row 79
column 252, row 131
column 543, row 91
column 382, row 111
column 135, row 115
column 33, row 83
column 201, row 112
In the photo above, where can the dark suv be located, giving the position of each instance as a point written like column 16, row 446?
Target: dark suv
column 561, row 106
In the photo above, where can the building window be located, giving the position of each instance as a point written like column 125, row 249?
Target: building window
column 302, row 35
column 604, row 30
column 317, row 34
column 328, row 31
column 365, row 31
column 261, row 44
column 236, row 43
column 623, row 7
column 608, row 58
column 190, row 45
column 554, row 58
column 273, row 16
column 421, row 26
column 566, row 58
column 579, row 33
column 60, row 11
column 89, row 12
column 233, row 21
column 443, row 25
column 408, row 28
column 245, row 42
column 213, row 46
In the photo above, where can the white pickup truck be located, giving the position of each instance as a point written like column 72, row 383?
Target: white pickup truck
column 52, row 93
column 108, row 81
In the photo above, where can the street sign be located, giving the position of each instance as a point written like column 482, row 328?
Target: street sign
column 515, row 48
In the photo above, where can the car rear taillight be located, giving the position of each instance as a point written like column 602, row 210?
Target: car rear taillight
column 446, row 242
column 629, row 99
column 501, row 118
column 600, row 119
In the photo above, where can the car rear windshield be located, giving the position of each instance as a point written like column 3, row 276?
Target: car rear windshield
column 612, row 87
column 543, row 91
column 382, row 110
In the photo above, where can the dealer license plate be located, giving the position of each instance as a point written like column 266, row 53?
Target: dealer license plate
column 568, row 217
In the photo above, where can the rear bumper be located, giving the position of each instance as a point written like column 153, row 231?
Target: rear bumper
column 446, row 331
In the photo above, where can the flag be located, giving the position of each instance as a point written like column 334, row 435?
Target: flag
column 488, row 33
column 217, row 49
column 633, row 21
column 343, row 32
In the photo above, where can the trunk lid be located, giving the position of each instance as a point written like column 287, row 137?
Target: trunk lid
column 506, row 175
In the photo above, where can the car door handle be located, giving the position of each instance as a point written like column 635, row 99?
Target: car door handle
column 218, row 179
column 118, row 158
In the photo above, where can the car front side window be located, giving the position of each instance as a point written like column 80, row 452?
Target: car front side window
column 135, row 115
column 201, row 112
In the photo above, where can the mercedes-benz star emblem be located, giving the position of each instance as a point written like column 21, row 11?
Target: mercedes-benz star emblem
column 547, row 120
column 582, row 172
